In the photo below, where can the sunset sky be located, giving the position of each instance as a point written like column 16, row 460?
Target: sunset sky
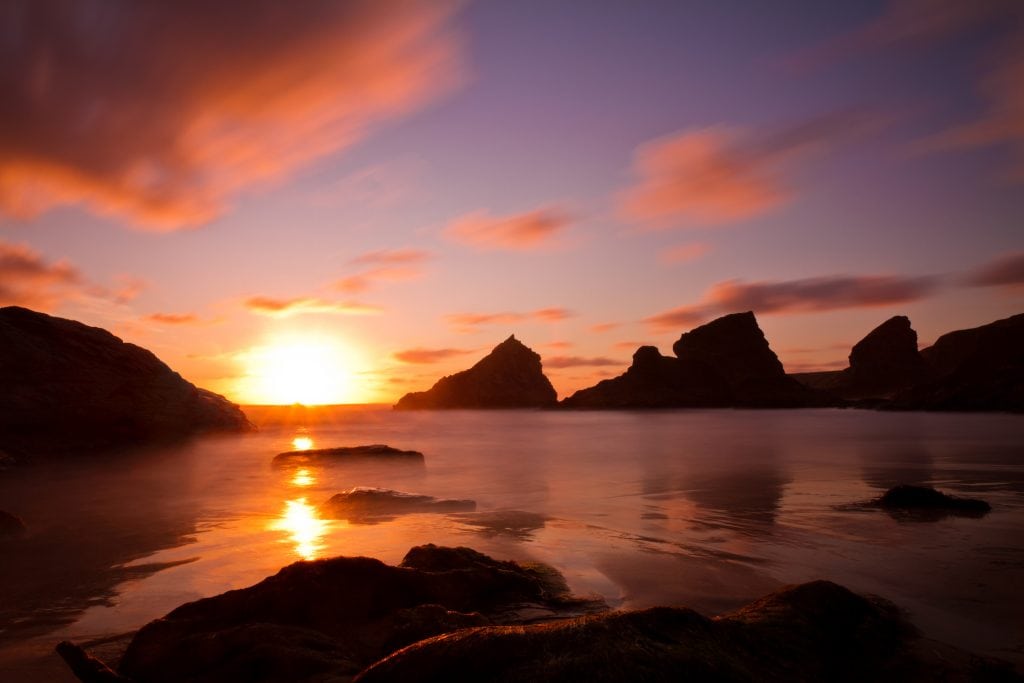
column 376, row 193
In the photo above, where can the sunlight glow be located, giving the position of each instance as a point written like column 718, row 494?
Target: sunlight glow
column 302, row 443
column 305, row 529
column 301, row 368
column 303, row 477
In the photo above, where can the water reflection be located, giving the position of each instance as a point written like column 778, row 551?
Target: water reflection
column 303, row 477
column 302, row 443
column 304, row 526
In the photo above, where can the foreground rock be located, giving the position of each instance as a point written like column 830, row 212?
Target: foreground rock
column 365, row 504
column 725, row 363
column 926, row 499
column 812, row 632
column 510, row 376
column 315, row 456
column 11, row 526
column 65, row 383
column 328, row 619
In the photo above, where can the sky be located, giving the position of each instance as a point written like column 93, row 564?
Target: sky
column 344, row 201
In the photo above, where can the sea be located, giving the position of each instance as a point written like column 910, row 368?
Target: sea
column 708, row 509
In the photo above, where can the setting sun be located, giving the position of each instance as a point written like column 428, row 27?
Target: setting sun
column 306, row 370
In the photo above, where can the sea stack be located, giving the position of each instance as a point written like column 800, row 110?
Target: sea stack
column 68, row 385
column 724, row 363
column 510, row 376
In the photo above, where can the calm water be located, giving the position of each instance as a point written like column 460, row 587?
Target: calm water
column 701, row 508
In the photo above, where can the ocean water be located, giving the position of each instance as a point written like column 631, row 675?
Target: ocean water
column 707, row 509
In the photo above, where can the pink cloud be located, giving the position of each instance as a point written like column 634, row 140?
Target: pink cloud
column 427, row 356
column 601, row 328
column 395, row 265
column 581, row 362
column 287, row 307
column 27, row 279
column 467, row 322
column 162, row 112
column 683, row 253
column 1005, row 271
column 520, row 232
column 172, row 318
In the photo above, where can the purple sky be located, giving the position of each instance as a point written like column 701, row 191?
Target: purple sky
column 413, row 182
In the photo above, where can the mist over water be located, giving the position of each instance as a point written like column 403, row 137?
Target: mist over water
column 708, row 509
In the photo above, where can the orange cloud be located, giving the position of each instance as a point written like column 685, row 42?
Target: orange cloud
column 827, row 293
column 287, row 307
column 601, row 328
column 559, row 344
column 581, row 362
column 27, row 279
column 468, row 321
column 520, row 232
column 722, row 175
column 172, row 318
column 1006, row 271
column 631, row 345
column 385, row 266
column 426, row 356
column 393, row 257
column 683, row 253
column 162, row 113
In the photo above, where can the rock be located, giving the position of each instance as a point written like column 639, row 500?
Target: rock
column 85, row 667
column 65, row 383
column 362, row 504
column 344, row 454
column 979, row 369
column 11, row 525
column 314, row 620
column 510, row 376
column 816, row 631
column 725, row 363
column 925, row 498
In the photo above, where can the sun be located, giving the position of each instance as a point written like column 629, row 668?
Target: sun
column 304, row 369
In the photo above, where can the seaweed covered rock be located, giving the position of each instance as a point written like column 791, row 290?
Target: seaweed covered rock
column 366, row 504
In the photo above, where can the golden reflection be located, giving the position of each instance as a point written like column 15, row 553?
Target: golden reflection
column 305, row 529
column 302, row 443
column 303, row 477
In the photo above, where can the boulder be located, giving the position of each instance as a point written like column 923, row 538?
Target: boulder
column 924, row 499
column 817, row 631
column 318, row 456
column 66, row 383
column 366, row 504
column 510, row 376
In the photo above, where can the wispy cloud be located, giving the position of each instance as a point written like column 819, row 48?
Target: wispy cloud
column 172, row 318
column 103, row 106
column 468, row 322
column 281, row 308
column 1005, row 271
column 420, row 356
column 28, row 279
column 582, row 362
column 683, row 253
column 601, row 328
column 386, row 265
column 520, row 232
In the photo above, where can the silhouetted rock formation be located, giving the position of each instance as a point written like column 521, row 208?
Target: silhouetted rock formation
column 70, row 384
column 363, row 504
column 331, row 618
column 816, row 631
column 881, row 364
column 908, row 497
column 510, row 376
column 979, row 369
column 10, row 525
column 345, row 454
column 725, row 363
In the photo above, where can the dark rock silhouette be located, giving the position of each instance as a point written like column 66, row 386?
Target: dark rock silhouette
column 345, row 454
column 881, row 364
column 10, row 525
column 362, row 504
column 510, row 376
column 816, row 631
column 337, row 616
column 68, row 384
column 911, row 498
column 725, row 363
column 978, row 369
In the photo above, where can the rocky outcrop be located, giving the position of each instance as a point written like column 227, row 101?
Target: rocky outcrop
column 725, row 363
column 65, row 383
column 816, row 631
column 328, row 619
column 315, row 456
column 979, row 369
column 510, row 376
column 366, row 504
column 924, row 498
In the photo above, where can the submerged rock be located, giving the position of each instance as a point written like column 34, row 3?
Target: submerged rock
column 816, row 631
column 510, row 376
column 68, row 384
column 11, row 525
column 368, row 504
column 925, row 498
column 344, row 454
column 725, row 363
column 331, row 618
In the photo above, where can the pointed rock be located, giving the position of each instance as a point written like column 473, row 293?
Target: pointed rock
column 510, row 376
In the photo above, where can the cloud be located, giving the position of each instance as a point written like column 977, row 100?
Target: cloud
column 162, row 112
column 806, row 295
column 1005, row 271
column 426, row 356
column 559, row 344
column 384, row 266
column 282, row 308
column 683, row 253
column 718, row 175
column 393, row 257
column 172, row 318
column 520, row 232
column 601, row 328
column 580, row 362
column 467, row 322
column 27, row 279
column 630, row 345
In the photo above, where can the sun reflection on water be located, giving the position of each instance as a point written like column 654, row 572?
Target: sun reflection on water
column 303, row 477
column 304, row 527
column 302, row 443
